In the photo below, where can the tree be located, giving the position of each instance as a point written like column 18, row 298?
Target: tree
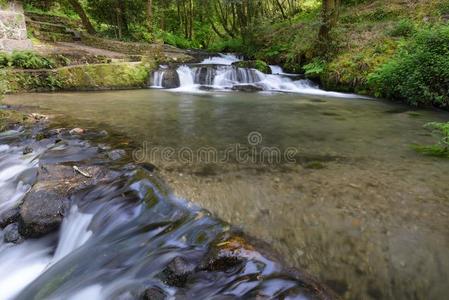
column 78, row 8
column 150, row 15
column 329, row 13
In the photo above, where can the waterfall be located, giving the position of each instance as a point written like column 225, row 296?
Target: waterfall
column 219, row 73
column 156, row 79
column 74, row 233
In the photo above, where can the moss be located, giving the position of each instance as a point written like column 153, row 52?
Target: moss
column 81, row 77
column 9, row 118
column 254, row 64
column 104, row 76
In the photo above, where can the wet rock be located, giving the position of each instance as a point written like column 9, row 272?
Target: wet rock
column 41, row 213
column 37, row 117
column 248, row 88
column 9, row 217
column 77, row 131
column 206, row 88
column 171, row 79
column 154, row 293
column 103, row 133
column 148, row 166
column 227, row 255
column 116, row 154
column 103, row 147
column 254, row 64
column 27, row 150
column 177, row 272
column 12, row 235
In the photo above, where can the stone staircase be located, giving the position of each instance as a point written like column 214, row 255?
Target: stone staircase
column 52, row 28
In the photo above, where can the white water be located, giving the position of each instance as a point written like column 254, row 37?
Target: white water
column 222, row 59
column 74, row 233
column 219, row 74
column 23, row 263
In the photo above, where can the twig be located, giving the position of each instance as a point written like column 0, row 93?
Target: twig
column 85, row 174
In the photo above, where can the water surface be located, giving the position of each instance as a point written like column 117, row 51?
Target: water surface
column 359, row 208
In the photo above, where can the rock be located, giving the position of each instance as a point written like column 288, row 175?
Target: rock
column 27, row 150
column 171, row 79
column 77, row 131
column 37, row 117
column 116, row 154
column 177, row 272
column 248, row 88
column 103, row 133
column 226, row 255
column 12, row 235
column 103, row 147
column 9, row 217
column 254, row 64
column 41, row 213
column 154, row 293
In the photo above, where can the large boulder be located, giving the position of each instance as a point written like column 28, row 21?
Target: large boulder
column 41, row 213
column 43, row 209
column 170, row 79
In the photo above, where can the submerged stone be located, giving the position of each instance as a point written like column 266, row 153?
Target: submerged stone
column 116, row 154
column 177, row 272
column 154, row 293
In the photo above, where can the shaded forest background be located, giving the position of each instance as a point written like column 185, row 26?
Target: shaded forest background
column 394, row 49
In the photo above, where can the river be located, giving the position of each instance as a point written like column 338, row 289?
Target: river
column 356, row 205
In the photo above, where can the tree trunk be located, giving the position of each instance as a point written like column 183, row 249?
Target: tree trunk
column 329, row 18
column 150, row 15
column 84, row 18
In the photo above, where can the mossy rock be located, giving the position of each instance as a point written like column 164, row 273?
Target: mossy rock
column 9, row 118
column 254, row 64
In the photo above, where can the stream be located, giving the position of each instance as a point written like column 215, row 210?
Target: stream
column 352, row 204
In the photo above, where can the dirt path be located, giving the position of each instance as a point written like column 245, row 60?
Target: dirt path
column 66, row 48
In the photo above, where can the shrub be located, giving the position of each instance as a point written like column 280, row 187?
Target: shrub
column 419, row 72
column 403, row 28
column 4, row 59
column 315, row 68
column 30, row 60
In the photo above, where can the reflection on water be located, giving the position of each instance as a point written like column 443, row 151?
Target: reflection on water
column 360, row 209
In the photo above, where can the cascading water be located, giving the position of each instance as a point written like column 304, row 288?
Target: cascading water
column 219, row 73
column 124, row 235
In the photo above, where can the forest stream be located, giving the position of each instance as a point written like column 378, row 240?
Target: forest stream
column 349, row 202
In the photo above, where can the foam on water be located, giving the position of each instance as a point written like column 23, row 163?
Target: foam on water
column 217, row 73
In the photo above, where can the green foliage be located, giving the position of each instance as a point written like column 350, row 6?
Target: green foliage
column 25, row 60
column 404, row 28
column 315, row 68
column 175, row 40
column 228, row 45
column 419, row 72
column 441, row 148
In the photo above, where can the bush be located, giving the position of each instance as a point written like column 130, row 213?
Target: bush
column 30, row 60
column 419, row 72
column 315, row 68
column 403, row 28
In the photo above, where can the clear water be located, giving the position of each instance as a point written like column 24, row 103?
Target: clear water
column 360, row 208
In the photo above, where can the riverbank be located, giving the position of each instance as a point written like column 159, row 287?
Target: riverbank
column 376, row 48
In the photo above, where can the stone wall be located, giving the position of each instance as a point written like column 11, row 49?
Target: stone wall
column 13, row 32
